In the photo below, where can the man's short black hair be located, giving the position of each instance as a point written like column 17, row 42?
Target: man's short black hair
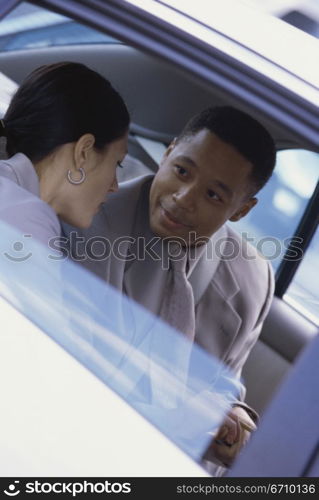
column 241, row 131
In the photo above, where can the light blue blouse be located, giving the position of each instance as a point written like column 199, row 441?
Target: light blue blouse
column 20, row 202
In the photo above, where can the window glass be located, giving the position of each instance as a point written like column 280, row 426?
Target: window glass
column 172, row 382
column 303, row 293
column 28, row 27
column 272, row 223
column 281, row 203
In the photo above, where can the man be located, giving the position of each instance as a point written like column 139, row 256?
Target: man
column 208, row 175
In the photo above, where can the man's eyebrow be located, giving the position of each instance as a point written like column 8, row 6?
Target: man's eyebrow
column 186, row 159
column 225, row 188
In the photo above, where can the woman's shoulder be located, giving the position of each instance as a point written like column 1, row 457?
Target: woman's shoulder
column 20, row 204
column 7, row 171
column 27, row 212
column 19, row 169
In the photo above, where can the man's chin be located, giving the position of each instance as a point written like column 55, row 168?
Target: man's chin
column 170, row 234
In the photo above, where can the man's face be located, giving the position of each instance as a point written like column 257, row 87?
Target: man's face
column 202, row 182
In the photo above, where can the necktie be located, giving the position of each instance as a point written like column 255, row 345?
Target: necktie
column 172, row 352
column 178, row 303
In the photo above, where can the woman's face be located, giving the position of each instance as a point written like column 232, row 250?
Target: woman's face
column 77, row 204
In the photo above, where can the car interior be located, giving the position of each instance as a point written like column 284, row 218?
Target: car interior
column 161, row 98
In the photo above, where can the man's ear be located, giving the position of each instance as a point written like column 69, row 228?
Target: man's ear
column 244, row 209
column 82, row 149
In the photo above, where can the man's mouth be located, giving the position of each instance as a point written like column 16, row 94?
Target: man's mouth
column 174, row 220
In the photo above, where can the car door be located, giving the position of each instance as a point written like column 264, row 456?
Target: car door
column 193, row 57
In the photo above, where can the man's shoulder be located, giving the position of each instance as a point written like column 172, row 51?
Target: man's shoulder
column 122, row 204
column 243, row 253
column 244, row 277
column 244, row 262
column 129, row 191
column 118, row 213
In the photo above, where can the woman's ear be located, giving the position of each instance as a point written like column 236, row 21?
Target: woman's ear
column 82, row 150
column 244, row 209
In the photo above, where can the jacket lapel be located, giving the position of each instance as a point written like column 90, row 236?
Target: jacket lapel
column 217, row 321
column 206, row 266
column 145, row 276
column 120, row 214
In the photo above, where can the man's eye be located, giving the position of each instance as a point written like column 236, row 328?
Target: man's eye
column 212, row 195
column 181, row 170
column 119, row 164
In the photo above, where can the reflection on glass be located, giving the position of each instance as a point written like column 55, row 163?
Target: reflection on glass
column 303, row 293
column 29, row 27
column 133, row 352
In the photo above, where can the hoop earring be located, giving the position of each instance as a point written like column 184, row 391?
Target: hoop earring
column 72, row 181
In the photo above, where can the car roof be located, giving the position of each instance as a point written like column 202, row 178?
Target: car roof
column 250, row 28
column 220, row 60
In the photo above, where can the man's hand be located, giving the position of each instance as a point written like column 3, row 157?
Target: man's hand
column 232, row 436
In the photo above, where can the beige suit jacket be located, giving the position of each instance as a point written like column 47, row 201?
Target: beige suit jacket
column 232, row 300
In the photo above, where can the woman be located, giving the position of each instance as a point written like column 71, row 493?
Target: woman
column 66, row 132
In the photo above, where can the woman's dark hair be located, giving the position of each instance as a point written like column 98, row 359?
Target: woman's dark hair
column 241, row 131
column 57, row 104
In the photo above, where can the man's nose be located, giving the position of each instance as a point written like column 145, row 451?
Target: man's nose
column 185, row 197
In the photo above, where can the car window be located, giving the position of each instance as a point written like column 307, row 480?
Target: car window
column 117, row 340
column 303, row 292
column 274, row 220
column 269, row 226
column 7, row 89
column 281, row 203
column 29, row 27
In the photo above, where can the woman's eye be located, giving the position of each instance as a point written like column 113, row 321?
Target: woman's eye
column 212, row 195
